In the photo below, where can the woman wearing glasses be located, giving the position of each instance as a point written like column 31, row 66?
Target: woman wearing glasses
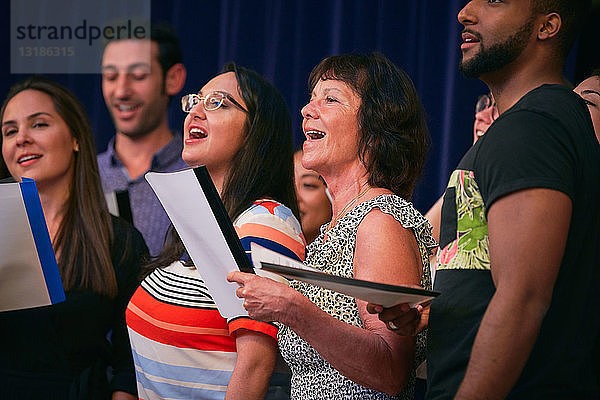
column 240, row 128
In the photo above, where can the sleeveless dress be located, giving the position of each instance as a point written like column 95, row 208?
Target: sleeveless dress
column 312, row 376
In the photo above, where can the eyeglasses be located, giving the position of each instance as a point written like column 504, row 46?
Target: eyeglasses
column 484, row 102
column 211, row 102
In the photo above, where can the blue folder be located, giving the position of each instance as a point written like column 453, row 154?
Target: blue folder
column 29, row 275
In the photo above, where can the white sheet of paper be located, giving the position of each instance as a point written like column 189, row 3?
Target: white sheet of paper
column 187, row 207
column 22, row 283
column 262, row 254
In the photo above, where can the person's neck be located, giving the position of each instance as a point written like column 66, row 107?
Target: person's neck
column 136, row 153
column 344, row 184
column 54, row 198
column 515, row 80
column 218, row 178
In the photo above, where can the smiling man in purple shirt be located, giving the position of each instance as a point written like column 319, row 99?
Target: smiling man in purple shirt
column 138, row 78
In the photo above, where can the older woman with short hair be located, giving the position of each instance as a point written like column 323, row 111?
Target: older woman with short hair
column 366, row 136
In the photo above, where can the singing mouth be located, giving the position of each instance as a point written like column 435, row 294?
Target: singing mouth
column 28, row 158
column 314, row 134
column 197, row 133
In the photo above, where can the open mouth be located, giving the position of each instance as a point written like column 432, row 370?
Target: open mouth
column 469, row 37
column 127, row 107
column 314, row 134
column 197, row 133
column 28, row 158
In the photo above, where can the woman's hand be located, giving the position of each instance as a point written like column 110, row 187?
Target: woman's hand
column 264, row 299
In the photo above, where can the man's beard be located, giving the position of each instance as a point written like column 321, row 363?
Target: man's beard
column 142, row 129
column 152, row 118
column 498, row 55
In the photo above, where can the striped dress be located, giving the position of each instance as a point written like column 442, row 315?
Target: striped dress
column 182, row 347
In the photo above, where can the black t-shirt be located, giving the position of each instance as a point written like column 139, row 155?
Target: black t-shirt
column 63, row 350
column 546, row 140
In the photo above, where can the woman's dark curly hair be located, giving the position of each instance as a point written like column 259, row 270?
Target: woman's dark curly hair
column 391, row 121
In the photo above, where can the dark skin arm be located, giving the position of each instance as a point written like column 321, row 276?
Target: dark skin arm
column 524, row 265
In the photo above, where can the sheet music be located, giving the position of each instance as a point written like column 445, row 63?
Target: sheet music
column 262, row 254
column 187, row 206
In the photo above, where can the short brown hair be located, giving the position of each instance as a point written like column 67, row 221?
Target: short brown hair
column 393, row 133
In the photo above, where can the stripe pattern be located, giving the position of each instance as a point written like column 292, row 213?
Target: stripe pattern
column 182, row 347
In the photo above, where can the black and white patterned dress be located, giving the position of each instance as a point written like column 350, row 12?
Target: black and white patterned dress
column 312, row 376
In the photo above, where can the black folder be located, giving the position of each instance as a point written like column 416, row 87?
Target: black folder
column 373, row 292
column 223, row 220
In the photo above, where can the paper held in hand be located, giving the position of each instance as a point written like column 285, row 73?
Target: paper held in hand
column 29, row 275
column 192, row 203
column 373, row 292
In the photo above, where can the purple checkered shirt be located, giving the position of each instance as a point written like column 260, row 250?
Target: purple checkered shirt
column 149, row 217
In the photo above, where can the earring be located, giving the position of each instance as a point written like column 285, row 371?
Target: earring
column 76, row 149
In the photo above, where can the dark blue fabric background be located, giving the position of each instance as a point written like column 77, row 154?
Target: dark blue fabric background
column 284, row 39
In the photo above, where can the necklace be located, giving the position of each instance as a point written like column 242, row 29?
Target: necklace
column 347, row 207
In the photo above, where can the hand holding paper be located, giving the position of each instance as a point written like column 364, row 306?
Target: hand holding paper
column 373, row 292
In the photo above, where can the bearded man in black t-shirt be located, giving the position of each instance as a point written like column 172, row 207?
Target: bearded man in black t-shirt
column 518, row 262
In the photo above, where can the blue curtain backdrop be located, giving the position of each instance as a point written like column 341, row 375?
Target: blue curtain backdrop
column 285, row 39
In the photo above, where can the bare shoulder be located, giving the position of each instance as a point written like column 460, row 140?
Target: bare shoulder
column 380, row 225
column 386, row 251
